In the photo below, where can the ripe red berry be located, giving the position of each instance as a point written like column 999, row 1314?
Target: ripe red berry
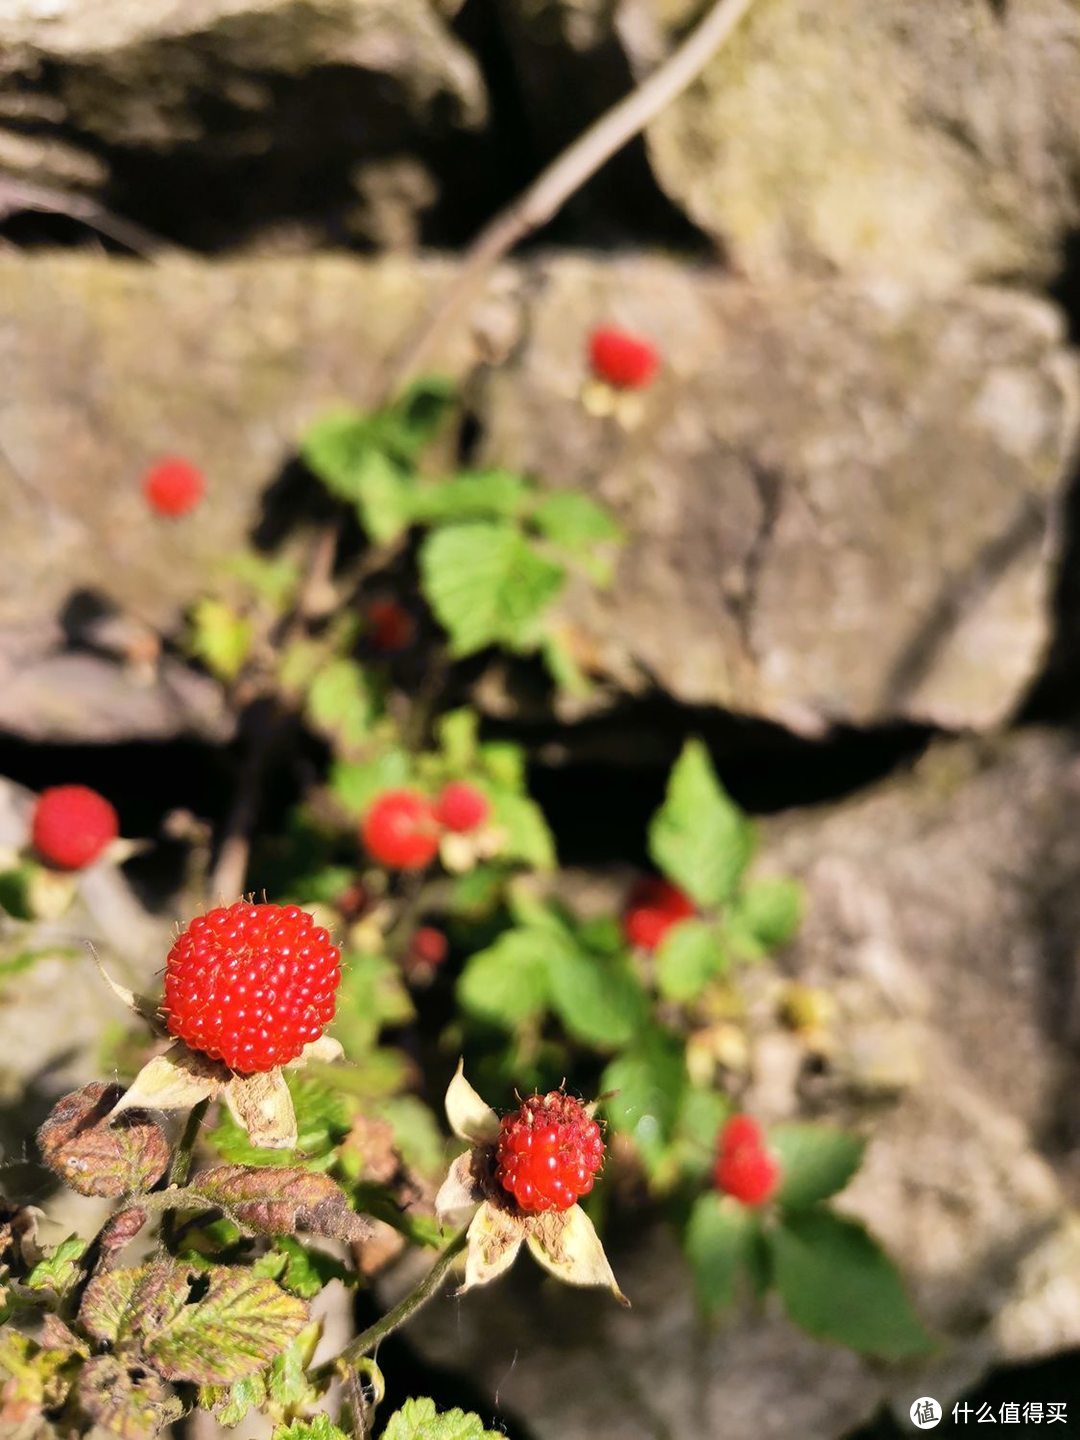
column 251, row 984
column 745, row 1169
column 461, row 807
column 549, row 1152
column 400, row 831
column 173, row 486
column 390, row 627
column 652, row 908
column 428, row 948
column 629, row 362
column 72, row 826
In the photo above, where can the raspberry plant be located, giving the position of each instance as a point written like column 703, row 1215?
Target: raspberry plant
column 277, row 1125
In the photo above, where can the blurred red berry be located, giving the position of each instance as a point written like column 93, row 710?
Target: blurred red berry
column 173, row 486
column 72, row 826
column 400, row 830
column 461, row 807
column 652, row 908
column 548, row 1153
column 745, row 1169
column 428, row 948
column 390, row 627
column 353, row 901
column 251, row 984
column 628, row 362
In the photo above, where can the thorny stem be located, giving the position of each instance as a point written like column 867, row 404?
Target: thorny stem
column 404, row 1310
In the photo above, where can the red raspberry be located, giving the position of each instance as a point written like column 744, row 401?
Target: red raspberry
column 428, row 948
column 399, row 830
column 629, row 362
column 72, row 826
column 461, row 807
column 390, row 627
column 744, row 1167
column 652, row 908
column 251, row 984
column 549, row 1152
column 173, row 486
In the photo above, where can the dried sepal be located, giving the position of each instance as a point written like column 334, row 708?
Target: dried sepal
column 494, row 1239
column 78, row 1143
column 140, row 1005
column 567, row 1245
column 323, row 1051
column 470, row 1117
column 262, row 1105
column 460, row 1192
column 176, row 1080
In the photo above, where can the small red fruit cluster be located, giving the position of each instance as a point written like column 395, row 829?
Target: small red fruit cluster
column 745, row 1169
column 173, row 486
column 428, row 948
column 401, row 828
column 251, row 985
column 548, row 1153
column 622, row 360
column 72, row 826
column 390, row 627
column 652, row 908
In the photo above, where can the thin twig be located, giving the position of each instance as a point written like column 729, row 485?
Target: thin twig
column 566, row 174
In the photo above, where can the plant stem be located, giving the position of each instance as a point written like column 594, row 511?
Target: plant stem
column 427, row 1289
column 181, row 1164
column 566, row 174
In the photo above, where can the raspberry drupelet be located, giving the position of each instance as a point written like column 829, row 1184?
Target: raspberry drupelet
column 549, row 1152
column 251, row 985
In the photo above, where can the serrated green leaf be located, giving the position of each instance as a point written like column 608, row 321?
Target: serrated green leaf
column 351, row 454
column 838, row 1284
column 700, row 838
column 340, row 703
column 599, row 1002
column 412, row 421
column 720, row 1237
column 220, row 637
column 487, row 585
column 507, row 984
column 647, row 1083
column 766, row 914
column 574, row 521
column 372, row 995
column 816, row 1161
column 688, row 957
column 231, row 1403
column 320, row 1428
column 419, row 1420
column 355, row 784
column 58, row 1271
column 471, row 495
column 288, row 1387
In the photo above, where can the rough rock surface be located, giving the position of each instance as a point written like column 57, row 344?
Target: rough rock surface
column 219, row 121
column 927, row 141
column 942, row 917
column 841, row 498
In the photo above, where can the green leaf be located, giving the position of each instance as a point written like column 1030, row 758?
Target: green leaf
column 413, row 420
column 275, row 579
column 456, row 735
column 372, row 995
column 230, row 1403
column 321, row 1428
column 574, row 521
column 471, row 495
column 720, row 1239
column 648, row 1081
column 699, row 838
column 348, row 452
column 418, row 1138
column 599, row 1002
column 355, row 784
column 507, row 984
column 340, row 702
column 701, row 1116
column 303, row 1270
column 816, row 1161
column 837, row 1284
column 419, row 1420
column 487, row 585
column 220, row 637
column 58, row 1271
column 765, row 915
column 322, row 1120
column 526, row 832
column 689, row 956
column 563, row 668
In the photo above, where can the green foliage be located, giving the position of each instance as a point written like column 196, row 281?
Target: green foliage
column 816, row 1162
column 689, row 956
column 837, row 1284
column 321, row 1428
column 220, row 637
column 322, row 1118
column 372, row 996
column 340, row 703
column 419, row 1420
column 58, row 1271
column 721, row 1237
column 700, row 839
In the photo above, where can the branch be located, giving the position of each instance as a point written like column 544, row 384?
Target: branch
column 566, row 174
